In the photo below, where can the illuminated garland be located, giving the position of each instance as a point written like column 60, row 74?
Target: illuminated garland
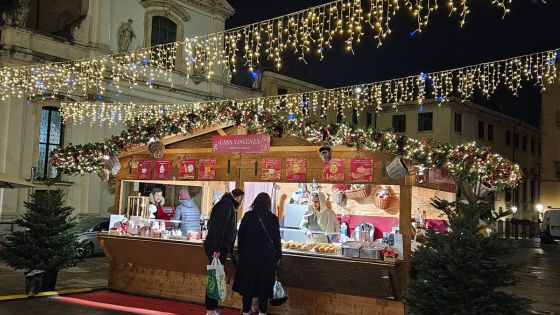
column 467, row 161
column 309, row 31
column 486, row 77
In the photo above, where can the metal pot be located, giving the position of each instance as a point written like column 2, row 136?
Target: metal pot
column 363, row 232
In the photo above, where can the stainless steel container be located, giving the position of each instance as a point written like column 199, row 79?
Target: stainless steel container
column 371, row 251
column 363, row 232
column 351, row 249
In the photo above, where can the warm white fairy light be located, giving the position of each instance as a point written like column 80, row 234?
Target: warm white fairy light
column 307, row 32
column 486, row 77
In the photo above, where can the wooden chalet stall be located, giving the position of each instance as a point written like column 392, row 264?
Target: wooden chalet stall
column 316, row 283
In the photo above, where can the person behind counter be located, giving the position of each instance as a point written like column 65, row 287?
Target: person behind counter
column 156, row 203
column 188, row 213
column 259, row 253
column 319, row 218
column 222, row 231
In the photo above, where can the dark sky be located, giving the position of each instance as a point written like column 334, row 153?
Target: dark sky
column 531, row 26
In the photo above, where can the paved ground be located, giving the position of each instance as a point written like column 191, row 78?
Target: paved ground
column 91, row 273
column 539, row 280
column 539, row 274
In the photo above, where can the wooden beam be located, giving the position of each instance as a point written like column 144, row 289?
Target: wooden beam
column 272, row 149
column 177, row 138
column 221, row 132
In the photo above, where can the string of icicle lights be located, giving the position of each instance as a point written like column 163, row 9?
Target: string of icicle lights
column 539, row 68
column 307, row 32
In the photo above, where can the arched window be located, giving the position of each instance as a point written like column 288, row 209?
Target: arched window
column 164, row 31
column 50, row 137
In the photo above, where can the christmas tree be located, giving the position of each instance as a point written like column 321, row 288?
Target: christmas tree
column 460, row 272
column 49, row 241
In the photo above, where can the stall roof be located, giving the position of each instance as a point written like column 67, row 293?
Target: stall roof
column 180, row 137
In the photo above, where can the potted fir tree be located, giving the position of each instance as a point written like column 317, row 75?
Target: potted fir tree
column 461, row 272
column 49, row 242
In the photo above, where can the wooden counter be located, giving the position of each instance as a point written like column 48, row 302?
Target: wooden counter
column 316, row 284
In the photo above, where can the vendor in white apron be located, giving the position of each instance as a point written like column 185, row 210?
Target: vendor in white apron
column 318, row 220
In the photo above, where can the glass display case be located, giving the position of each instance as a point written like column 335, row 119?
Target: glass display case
column 158, row 229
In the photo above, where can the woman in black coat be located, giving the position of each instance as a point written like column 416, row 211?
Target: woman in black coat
column 260, row 250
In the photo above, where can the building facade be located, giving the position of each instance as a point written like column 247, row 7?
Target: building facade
column 460, row 121
column 49, row 30
column 550, row 127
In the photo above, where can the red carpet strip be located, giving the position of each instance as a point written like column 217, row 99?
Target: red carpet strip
column 137, row 304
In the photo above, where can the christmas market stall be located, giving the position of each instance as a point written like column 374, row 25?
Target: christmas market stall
column 378, row 187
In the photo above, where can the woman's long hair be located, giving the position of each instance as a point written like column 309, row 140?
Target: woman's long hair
column 262, row 202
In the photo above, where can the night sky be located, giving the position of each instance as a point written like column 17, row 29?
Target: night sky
column 531, row 26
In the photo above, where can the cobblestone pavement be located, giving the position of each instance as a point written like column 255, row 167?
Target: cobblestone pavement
column 539, row 274
column 91, row 273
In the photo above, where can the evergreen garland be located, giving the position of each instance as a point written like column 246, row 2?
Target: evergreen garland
column 465, row 161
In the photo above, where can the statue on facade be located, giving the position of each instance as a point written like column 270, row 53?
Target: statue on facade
column 18, row 15
column 126, row 33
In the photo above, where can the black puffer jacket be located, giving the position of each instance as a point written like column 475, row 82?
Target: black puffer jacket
column 222, row 226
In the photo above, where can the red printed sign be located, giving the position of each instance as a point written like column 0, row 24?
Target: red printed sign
column 161, row 170
column 333, row 171
column 244, row 143
column 144, row 170
column 187, row 169
column 271, row 169
column 361, row 170
column 206, row 169
column 296, row 169
column 440, row 176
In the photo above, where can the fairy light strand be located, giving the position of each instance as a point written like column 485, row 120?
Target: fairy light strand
column 307, row 32
column 540, row 68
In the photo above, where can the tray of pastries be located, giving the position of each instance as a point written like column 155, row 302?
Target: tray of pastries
column 315, row 247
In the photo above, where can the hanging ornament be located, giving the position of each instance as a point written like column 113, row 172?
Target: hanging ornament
column 156, row 149
column 325, row 152
column 397, row 169
column 104, row 174
column 113, row 165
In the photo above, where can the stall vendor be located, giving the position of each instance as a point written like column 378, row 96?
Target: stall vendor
column 188, row 213
column 156, row 203
column 319, row 219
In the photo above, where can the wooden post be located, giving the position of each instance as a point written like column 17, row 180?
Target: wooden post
column 207, row 195
column 405, row 227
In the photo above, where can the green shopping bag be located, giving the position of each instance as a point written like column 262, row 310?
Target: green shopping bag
column 216, row 286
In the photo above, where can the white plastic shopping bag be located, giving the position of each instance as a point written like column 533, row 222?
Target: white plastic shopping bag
column 216, row 287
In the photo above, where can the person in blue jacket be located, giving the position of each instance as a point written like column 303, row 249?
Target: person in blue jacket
column 188, row 213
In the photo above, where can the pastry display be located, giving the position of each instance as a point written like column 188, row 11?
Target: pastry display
column 326, row 248
column 317, row 247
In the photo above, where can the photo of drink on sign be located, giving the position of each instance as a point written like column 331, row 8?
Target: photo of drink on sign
column 207, row 169
column 271, row 169
column 187, row 169
column 361, row 170
column 161, row 170
column 296, row 169
column 144, row 170
column 333, row 171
